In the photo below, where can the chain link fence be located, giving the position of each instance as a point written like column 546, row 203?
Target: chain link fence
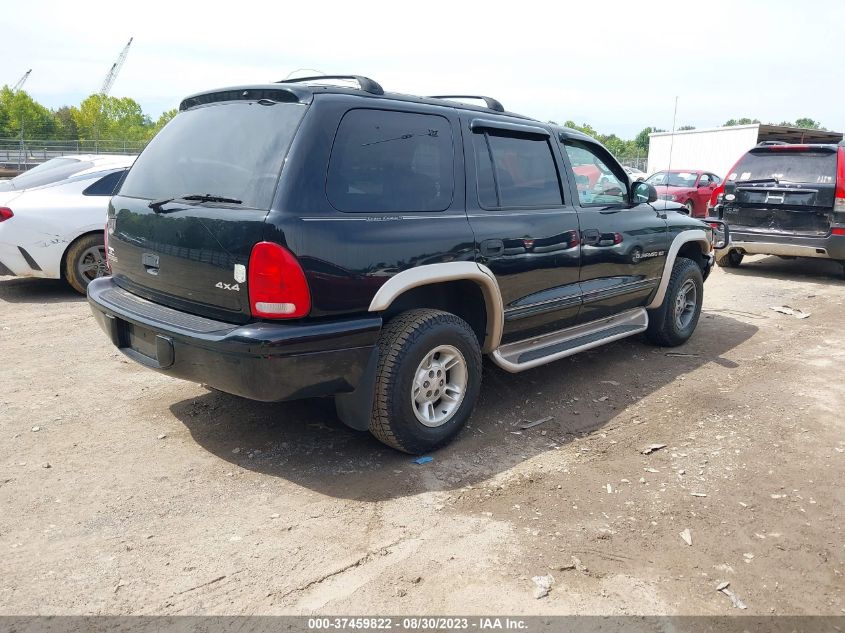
column 637, row 161
column 22, row 154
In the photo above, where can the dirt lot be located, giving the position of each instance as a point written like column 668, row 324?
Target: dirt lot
column 127, row 492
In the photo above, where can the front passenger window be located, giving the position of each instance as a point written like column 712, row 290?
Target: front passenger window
column 596, row 182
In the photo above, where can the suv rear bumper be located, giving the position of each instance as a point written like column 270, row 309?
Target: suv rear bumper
column 753, row 243
column 261, row 361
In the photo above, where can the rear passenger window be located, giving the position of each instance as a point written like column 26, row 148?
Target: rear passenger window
column 106, row 185
column 391, row 161
column 515, row 171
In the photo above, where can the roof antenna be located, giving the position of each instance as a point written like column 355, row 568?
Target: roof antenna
column 302, row 70
column 672, row 139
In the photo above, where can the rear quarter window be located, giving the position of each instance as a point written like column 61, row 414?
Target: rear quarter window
column 385, row 161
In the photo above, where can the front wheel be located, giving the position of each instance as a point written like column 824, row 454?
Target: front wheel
column 674, row 321
column 428, row 379
column 85, row 260
column 690, row 207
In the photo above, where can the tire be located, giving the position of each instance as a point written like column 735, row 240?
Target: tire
column 407, row 342
column 674, row 321
column 731, row 259
column 85, row 260
column 690, row 207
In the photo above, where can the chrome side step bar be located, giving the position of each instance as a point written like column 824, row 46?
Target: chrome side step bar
column 522, row 355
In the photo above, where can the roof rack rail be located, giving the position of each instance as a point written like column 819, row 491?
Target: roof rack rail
column 490, row 102
column 364, row 83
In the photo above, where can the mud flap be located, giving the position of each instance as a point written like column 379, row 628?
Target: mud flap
column 356, row 408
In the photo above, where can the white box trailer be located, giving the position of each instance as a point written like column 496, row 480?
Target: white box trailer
column 717, row 149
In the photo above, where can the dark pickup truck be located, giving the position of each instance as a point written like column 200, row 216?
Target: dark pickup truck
column 305, row 239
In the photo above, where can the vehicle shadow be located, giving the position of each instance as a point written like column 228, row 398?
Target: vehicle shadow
column 35, row 290
column 810, row 269
column 304, row 442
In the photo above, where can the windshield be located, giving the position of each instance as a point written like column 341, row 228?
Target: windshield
column 673, row 178
column 46, row 173
column 805, row 167
column 231, row 149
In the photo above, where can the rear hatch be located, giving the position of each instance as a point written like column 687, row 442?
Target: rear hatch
column 782, row 189
column 185, row 220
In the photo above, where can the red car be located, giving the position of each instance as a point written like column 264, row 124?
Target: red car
column 692, row 188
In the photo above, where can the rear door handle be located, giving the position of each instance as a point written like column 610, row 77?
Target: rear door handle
column 492, row 248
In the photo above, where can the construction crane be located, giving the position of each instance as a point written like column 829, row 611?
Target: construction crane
column 108, row 82
column 21, row 81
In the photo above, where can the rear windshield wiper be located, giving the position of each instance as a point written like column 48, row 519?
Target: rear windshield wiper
column 156, row 205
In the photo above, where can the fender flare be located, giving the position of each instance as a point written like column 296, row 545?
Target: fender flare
column 449, row 271
column 684, row 237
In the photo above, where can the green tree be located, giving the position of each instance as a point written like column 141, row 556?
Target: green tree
column 111, row 118
column 742, row 121
column 22, row 112
column 163, row 120
column 65, row 125
column 808, row 123
column 641, row 140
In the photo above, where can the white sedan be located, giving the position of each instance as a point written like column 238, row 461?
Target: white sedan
column 52, row 218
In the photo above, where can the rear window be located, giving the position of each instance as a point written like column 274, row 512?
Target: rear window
column 817, row 167
column 233, row 150
column 391, row 161
column 47, row 173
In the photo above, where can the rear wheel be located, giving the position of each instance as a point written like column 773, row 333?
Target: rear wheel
column 731, row 259
column 674, row 321
column 428, row 380
column 85, row 260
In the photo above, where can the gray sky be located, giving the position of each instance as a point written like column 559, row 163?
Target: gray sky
column 615, row 65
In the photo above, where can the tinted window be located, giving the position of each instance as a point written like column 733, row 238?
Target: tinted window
column 106, row 185
column 523, row 170
column 46, row 173
column 595, row 180
column 230, row 149
column 704, row 180
column 487, row 195
column 790, row 166
column 391, row 161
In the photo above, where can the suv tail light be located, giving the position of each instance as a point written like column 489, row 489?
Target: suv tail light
column 277, row 285
column 839, row 203
column 5, row 214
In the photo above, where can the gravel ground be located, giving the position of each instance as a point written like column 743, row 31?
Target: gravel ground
column 126, row 492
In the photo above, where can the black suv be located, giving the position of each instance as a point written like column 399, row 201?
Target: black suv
column 301, row 239
column 787, row 200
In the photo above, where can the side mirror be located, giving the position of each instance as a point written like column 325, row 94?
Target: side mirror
column 721, row 232
column 643, row 192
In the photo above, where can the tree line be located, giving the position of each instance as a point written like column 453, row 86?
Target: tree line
column 97, row 117
column 122, row 119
